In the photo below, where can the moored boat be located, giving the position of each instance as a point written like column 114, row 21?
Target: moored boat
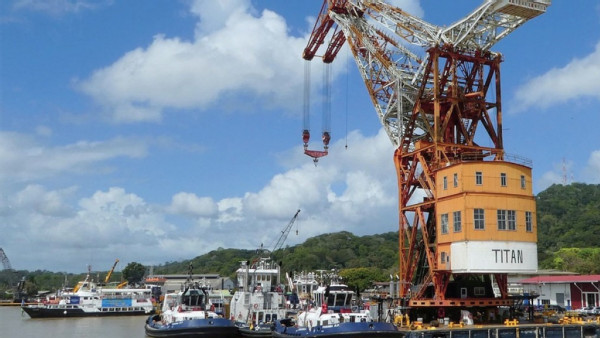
column 89, row 299
column 332, row 310
column 260, row 300
column 188, row 313
column 287, row 328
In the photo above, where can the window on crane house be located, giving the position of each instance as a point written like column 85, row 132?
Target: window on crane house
column 445, row 183
column 455, row 180
column 512, row 220
column 528, row 221
column 522, row 181
column 457, row 221
column 501, row 219
column 478, row 178
column 507, row 220
column 444, row 223
column 503, row 179
column 479, row 219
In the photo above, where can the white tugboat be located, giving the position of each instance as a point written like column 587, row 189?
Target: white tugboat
column 260, row 300
column 189, row 313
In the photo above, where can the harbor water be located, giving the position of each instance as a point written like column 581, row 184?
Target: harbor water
column 16, row 324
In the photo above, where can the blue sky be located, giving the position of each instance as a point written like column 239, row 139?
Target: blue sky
column 158, row 131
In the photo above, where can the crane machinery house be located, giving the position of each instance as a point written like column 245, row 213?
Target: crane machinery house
column 486, row 212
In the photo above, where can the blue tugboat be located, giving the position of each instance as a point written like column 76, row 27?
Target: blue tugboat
column 332, row 314
column 287, row 328
column 188, row 314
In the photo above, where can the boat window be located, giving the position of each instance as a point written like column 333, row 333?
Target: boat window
column 340, row 300
column 192, row 297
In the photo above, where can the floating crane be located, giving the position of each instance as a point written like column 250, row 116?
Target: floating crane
column 466, row 213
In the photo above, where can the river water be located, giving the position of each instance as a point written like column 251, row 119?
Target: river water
column 15, row 324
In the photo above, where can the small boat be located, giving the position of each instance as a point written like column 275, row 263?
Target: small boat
column 188, row 313
column 261, row 330
column 260, row 300
column 90, row 299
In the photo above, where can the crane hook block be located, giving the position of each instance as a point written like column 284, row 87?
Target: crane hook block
column 326, row 139
column 305, row 138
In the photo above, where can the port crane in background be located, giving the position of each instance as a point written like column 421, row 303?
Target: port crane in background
column 436, row 91
column 285, row 232
column 5, row 262
column 110, row 272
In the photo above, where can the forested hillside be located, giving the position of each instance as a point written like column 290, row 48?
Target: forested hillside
column 569, row 228
column 568, row 240
column 339, row 250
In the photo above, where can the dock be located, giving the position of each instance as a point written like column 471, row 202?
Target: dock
column 547, row 330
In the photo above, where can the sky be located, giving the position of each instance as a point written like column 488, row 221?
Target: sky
column 158, row 131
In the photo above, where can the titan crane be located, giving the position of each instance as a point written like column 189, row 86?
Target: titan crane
column 466, row 213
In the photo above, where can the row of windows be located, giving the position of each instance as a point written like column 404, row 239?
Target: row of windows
column 505, row 220
column 479, row 180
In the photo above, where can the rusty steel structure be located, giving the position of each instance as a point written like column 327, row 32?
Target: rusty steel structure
column 437, row 93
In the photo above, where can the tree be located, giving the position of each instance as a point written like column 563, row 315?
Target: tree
column 362, row 278
column 134, row 272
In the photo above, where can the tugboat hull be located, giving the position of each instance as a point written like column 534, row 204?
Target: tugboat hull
column 344, row 330
column 47, row 312
column 211, row 327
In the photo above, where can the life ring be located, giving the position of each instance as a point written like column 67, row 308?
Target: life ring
column 255, row 306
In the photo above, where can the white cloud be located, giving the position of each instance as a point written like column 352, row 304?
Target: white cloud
column 191, row 205
column 591, row 172
column 342, row 193
column 577, row 80
column 57, row 7
column 233, row 51
column 25, row 159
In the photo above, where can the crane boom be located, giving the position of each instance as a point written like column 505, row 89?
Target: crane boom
column 284, row 233
column 386, row 43
column 111, row 271
column 5, row 262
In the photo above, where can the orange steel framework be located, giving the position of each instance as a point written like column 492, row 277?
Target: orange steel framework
column 452, row 109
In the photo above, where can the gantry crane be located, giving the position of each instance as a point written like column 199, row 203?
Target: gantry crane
column 466, row 213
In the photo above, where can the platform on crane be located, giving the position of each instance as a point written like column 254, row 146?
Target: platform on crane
column 522, row 8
